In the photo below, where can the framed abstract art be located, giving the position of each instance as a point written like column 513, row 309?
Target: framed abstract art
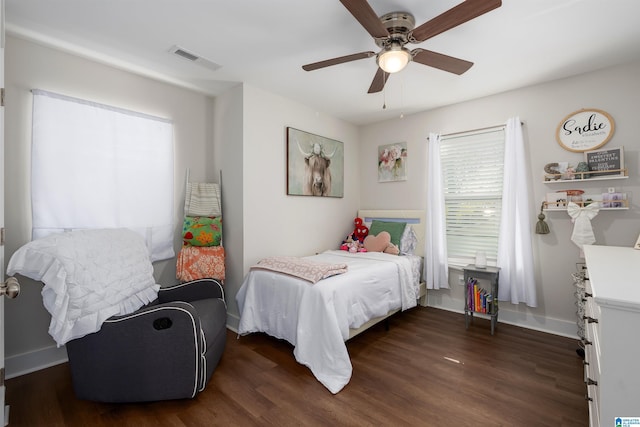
column 392, row 162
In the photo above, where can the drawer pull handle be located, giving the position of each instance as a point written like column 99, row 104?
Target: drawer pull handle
column 588, row 295
column 585, row 363
column 587, row 398
column 590, row 319
column 587, row 342
column 589, row 381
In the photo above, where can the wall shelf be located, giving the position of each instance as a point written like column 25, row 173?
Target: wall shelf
column 561, row 206
column 579, row 176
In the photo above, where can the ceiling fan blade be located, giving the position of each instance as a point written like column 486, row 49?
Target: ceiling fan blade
column 453, row 17
column 379, row 81
column 440, row 61
column 366, row 16
column 339, row 60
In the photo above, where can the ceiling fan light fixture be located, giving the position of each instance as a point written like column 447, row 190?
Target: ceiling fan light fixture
column 394, row 59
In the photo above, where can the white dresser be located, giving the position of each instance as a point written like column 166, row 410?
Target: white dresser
column 612, row 333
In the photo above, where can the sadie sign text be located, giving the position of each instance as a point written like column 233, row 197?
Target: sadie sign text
column 585, row 130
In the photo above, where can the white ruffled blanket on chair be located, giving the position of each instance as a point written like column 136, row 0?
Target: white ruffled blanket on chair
column 88, row 276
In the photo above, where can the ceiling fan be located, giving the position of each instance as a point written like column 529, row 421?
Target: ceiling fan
column 392, row 31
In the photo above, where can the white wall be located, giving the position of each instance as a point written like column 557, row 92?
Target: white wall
column 29, row 66
column 274, row 223
column 615, row 90
column 229, row 143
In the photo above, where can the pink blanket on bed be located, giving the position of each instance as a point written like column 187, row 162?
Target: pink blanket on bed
column 305, row 269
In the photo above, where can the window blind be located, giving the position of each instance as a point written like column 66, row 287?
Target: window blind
column 98, row 166
column 472, row 167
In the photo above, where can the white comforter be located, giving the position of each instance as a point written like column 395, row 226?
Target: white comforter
column 316, row 318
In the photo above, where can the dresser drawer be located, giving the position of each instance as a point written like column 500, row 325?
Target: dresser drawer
column 591, row 309
column 594, row 407
column 591, row 317
column 592, row 375
column 589, row 303
column 592, row 347
column 592, row 378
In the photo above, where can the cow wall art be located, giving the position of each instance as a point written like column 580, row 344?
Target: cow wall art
column 315, row 165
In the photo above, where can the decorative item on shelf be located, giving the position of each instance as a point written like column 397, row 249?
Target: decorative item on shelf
column 557, row 200
column 608, row 163
column 574, row 196
column 586, row 129
column 541, row 226
column 563, row 171
column 551, row 171
column 569, row 173
column 581, row 168
column 613, row 200
column 582, row 231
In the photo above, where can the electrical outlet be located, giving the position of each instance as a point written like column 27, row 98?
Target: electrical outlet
column 461, row 279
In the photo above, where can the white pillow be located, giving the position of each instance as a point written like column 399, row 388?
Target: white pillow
column 408, row 241
column 88, row 276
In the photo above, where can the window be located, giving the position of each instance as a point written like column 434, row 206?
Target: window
column 472, row 170
column 96, row 166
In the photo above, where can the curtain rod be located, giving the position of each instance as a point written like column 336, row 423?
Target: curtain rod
column 496, row 127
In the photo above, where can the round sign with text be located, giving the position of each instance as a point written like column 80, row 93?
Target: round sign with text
column 585, row 130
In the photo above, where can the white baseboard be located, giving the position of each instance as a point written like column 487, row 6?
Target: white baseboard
column 525, row 320
column 233, row 322
column 25, row 363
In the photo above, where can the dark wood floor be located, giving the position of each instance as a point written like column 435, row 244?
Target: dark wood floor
column 404, row 376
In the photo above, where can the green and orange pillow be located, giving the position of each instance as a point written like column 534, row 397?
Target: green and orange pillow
column 202, row 231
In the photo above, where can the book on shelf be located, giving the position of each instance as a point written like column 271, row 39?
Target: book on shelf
column 478, row 298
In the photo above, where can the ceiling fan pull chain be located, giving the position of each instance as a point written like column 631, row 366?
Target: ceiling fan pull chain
column 384, row 91
column 402, row 96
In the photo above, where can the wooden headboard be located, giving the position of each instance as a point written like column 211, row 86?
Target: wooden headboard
column 416, row 218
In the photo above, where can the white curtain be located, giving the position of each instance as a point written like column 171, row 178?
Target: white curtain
column 436, row 266
column 97, row 166
column 515, row 254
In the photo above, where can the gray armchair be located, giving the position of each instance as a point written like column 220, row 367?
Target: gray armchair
column 167, row 349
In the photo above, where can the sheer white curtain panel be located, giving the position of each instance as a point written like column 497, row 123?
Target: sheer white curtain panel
column 436, row 266
column 515, row 253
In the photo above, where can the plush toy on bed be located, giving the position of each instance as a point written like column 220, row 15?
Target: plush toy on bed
column 360, row 231
column 352, row 245
column 380, row 243
column 355, row 241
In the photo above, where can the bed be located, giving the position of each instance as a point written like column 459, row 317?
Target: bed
column 318, row 319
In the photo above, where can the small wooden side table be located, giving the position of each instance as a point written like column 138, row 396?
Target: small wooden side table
column 489, row 273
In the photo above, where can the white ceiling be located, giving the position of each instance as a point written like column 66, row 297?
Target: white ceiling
column 265, row 43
